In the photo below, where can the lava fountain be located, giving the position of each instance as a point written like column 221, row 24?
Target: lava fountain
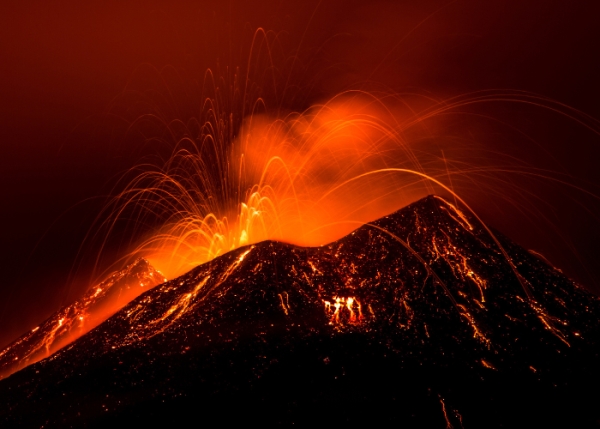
column 303, row 179
column 311, row 177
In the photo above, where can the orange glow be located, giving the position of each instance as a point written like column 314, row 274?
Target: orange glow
column 73, row 321
column 448, row 424
column 183, row 305
column 487, row 364
column 306, row 178
column 241, row 173
column 459, row 264
column 477, row 332
column 309, row 178
column 343, row 311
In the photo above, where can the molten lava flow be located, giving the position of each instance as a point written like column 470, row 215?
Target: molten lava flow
column 186, row 301
column 343, row 311
column 74, row 320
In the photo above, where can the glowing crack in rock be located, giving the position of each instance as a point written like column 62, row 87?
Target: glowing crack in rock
column 343, row 310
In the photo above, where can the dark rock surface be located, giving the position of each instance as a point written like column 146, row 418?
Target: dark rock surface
column 74, row 320
column 418, row 319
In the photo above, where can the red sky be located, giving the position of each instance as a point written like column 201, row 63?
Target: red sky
column 64, row 62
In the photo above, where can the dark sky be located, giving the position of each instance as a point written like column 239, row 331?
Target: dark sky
column 65, row 66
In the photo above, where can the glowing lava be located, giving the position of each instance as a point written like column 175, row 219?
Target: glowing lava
column 304, row 178
column 394, row 306
column 344, row 310
column 74, row 320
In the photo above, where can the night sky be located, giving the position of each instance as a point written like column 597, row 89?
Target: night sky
column 65, row 67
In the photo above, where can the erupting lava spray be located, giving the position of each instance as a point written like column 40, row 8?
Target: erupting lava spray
column 300, row 179
column 241, row 167
column 310, row 177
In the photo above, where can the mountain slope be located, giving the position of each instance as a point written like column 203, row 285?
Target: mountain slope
column 418, row 318
column 74, row 320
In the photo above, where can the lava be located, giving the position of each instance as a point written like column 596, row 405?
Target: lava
column 300, row 328
column 243, row 173
column 447, row 263
column 244, row 170
column 78, row 318
column 343, row 310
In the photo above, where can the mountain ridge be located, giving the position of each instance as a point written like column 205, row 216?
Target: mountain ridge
column 416, row 317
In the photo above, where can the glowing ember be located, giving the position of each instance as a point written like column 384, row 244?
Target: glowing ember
column 343, row 310
column 265, row 209
column 397, row 303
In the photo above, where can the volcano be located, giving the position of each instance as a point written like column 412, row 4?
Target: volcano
column 423, row 318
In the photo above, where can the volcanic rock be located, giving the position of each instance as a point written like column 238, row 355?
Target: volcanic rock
column 423, row 318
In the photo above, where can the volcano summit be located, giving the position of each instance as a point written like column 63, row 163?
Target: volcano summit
column 422, row 318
